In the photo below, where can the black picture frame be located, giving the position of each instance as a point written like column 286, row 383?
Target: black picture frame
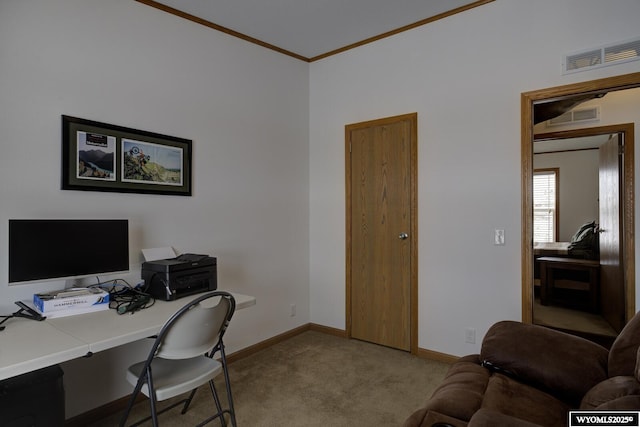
column 103, row 157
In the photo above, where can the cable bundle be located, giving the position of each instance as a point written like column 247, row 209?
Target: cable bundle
column 125, row 298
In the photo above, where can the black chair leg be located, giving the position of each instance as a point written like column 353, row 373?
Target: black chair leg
column 216, row 399
column 232, row 411
column 132, row 400
column 187, row 402
column 152, row 400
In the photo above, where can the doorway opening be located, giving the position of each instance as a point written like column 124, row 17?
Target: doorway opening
column 586, row 242
column 543, row 105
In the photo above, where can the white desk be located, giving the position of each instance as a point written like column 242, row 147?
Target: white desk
column 27, row 345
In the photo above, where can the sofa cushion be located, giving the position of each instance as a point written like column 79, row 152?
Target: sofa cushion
column 488, row 418
column 623, row 352
column 562, row 364
column 515, row 399
column 425, row 418
column 609, row 390
column 624, row 403
column 460, row 393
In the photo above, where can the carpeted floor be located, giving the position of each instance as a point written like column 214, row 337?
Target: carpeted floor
column 574, row 320
column 315, row 379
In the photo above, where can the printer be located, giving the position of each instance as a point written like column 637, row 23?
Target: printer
column 188, row 274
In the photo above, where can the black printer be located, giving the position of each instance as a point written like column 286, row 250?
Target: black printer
column 188, row 274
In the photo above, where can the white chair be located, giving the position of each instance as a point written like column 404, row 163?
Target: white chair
column 182, row 358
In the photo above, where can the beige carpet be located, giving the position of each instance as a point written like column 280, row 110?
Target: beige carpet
column 574, row 320
column 315, row 379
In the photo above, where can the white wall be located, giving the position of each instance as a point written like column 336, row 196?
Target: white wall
column 244, row 107
column 578, row 177
column 463, row 76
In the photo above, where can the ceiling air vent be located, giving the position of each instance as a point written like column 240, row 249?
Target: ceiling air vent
column 576, row 116
column 617, row 53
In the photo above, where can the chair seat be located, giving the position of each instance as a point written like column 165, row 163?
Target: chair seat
column 174, row 377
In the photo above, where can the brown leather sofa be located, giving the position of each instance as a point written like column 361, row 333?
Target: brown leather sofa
column 527, row 375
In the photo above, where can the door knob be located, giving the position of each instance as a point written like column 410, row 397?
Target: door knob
column 403, row 236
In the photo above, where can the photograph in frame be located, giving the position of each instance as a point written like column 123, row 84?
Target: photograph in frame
column 96, row 156
column 144, row 162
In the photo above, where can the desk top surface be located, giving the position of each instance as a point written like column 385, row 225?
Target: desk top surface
column 105, row 329
column 569, row 261
column 27, row 345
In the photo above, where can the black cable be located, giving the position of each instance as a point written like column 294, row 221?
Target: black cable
column 125, row 298
column 130, row 301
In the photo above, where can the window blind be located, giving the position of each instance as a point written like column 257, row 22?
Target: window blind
column 544, row 206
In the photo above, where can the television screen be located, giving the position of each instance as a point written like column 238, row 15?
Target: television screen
column 41, row 249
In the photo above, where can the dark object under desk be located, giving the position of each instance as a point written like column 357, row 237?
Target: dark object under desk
column 33, row 399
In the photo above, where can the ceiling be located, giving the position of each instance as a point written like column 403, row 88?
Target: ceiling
column 311, row 30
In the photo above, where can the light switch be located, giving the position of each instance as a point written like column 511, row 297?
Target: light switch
column 498, row 237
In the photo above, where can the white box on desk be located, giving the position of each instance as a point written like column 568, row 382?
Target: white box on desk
column 70, row 299
column 74, row 311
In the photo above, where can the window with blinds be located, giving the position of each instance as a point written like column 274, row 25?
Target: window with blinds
column 545, row 205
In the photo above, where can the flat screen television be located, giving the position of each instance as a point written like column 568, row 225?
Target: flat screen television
column 47, row 249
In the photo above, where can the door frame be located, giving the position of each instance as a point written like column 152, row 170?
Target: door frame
column 627, row 81
column 413, row 228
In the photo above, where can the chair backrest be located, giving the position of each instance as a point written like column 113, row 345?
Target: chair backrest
column 196, row 328
column 623, row 352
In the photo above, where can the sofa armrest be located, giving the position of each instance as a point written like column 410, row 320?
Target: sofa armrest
column 564, row 365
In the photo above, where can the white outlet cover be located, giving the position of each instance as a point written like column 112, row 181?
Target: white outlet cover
column 470, row 336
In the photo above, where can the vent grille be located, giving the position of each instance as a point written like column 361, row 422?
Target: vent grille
column 576, row 116
column 617, row 53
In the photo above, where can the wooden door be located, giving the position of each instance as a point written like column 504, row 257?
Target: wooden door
column 611, row 269
column 381, row 227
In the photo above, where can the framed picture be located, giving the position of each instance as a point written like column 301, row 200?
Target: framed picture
column 102, row 157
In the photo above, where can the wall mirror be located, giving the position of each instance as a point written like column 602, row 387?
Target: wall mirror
column 578, row 250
